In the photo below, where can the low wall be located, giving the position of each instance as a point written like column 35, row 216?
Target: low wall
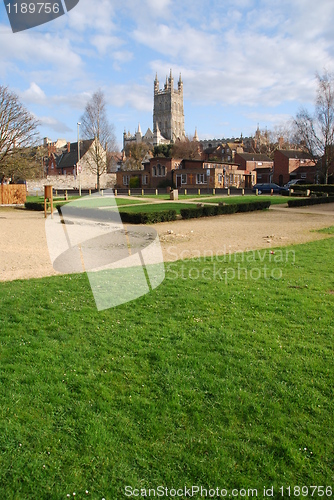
column 36, row 186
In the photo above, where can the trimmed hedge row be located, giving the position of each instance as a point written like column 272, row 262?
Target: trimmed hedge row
column 316, row 188
column 113, row 215
column 148, row 217
column 221, row 209
column 310, row 201
column 38, row 206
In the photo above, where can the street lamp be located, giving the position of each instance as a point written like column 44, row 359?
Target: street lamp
column 79, row 168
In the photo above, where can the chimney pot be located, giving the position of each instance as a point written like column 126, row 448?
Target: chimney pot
column 68, row 147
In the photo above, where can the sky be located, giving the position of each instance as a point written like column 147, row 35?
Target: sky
column 244, row 63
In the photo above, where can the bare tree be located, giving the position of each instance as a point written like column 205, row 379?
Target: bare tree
column 18, row 138
column 187, row 148
column 95, row 126
column 315, row 132
column 268, row 141
column 135, row 154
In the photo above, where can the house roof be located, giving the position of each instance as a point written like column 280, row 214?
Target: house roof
column 254, row 157
column 70, row 159
column 294, row 154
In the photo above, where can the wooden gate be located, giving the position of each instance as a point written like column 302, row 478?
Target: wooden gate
column 12, row 194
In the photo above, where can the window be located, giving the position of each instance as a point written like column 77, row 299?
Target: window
column 144, row 180
column 159, row 171
column 201, row 179
column 126, row 179
column 303, row 176
column 183, row 178
column 220, row 178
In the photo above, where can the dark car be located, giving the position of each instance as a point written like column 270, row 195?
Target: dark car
column 266, row 188
column 293, row 182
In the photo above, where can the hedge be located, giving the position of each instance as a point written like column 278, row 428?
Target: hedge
column 114, row 215
column 148, row 217
column 221, row 209
column 38, row 206
column 310, row 201
column 322, row 188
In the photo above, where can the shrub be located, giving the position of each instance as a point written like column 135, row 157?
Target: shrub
column 311, row 201
column 37, row 206
column 134, row 182
column 191, row 213
column 111, row 215
column 322, row 188
column 209, row 210
column 148, row 217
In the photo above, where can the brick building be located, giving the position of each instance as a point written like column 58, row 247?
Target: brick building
column 188, row 174
column 290, row 164
column 260, row 163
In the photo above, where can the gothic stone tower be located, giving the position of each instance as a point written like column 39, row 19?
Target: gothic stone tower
column 168, row 116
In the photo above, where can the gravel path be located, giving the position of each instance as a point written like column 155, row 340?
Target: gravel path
column 24, row 253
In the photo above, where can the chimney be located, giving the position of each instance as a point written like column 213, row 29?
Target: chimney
column 68, row 147
column 280, row 143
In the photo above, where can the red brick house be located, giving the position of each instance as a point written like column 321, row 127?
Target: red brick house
column 291, row 164
column 260, row 163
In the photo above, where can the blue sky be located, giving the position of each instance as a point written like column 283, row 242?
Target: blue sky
column 243, row 62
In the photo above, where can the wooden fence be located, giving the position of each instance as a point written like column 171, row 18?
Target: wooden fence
column 12, row 194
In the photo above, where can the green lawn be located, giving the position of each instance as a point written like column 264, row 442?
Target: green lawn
column 156, row 207
column 105, row 201
column 208, row 380
column 167, row 196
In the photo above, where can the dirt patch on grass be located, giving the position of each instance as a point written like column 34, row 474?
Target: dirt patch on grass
column 24, row 253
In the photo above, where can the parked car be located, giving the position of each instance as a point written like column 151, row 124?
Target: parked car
column 266, row 188
column 293, row 182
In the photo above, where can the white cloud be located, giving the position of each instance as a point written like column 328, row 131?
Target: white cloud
column 34, row 94
column 53, row 124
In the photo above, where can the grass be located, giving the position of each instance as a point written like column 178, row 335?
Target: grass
column 157, row 207
column 167, row 196
column 207, row 380
column 326, row 230
column 105, row 201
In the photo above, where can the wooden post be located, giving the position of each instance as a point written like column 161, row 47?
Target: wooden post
column 142, row 192
column 101, row 192
column 156, row 192
column 129, row 192
column 90, row 192
column 198, row 191
column 228, row 191
column 185, row 192
column 48, row 195
column 213, row 191
column 256, row 192
column 115, row 192
column 243, row 192
column 271, row 192
column 66, row 195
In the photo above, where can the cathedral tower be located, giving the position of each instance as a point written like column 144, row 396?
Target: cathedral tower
column 168, row 115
